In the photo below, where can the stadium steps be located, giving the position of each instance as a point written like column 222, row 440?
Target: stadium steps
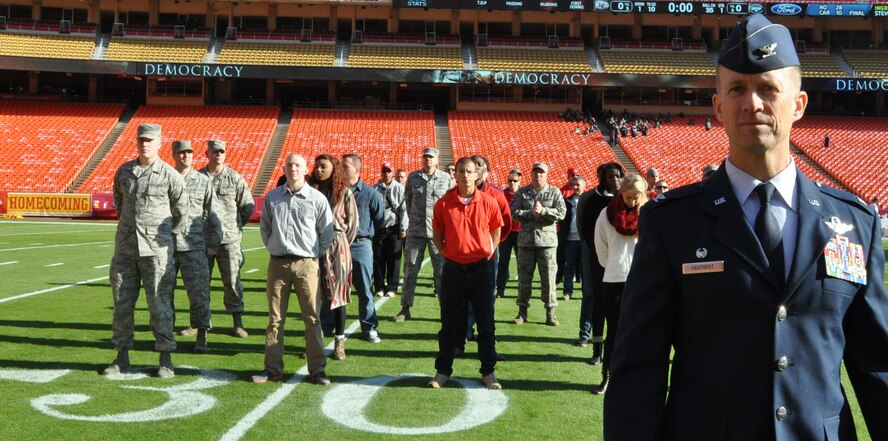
column 594, row 59
column 103, row 149
column 343, row 49
column 617, row 149
column 101, row 46
column 469, row 57
column 442, row 138
column 843, row 63
column 266, row 170
column 214, row 50
column 802, row 156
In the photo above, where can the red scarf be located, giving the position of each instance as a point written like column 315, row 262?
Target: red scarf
column 623, row 218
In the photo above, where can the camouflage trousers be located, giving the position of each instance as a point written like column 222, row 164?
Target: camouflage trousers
column 544, row 258
column 230, row 258
column 414, row 249
column 157, row 275
column 196, row 278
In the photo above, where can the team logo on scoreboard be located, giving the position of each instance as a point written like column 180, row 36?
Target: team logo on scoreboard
column 602, row 5
column 755, row 8
column 786, row 9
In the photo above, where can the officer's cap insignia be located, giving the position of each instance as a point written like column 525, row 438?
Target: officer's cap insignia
column 836, row 225
column 768, row 50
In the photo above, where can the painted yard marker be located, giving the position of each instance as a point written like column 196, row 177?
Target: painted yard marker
column 54, row 264
column 33, row 375
column 102, row 266
column 54, row 246
column 9, row 263
column 43, row 291
column 251, row 271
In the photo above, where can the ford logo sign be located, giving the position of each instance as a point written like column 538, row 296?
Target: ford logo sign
column 786, row 9
column 755, row 8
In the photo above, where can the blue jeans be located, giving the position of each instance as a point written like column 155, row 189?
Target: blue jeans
column 505, row 251
column 461, row 287
column 592, row 307
column 572, row 254
column 362, row 270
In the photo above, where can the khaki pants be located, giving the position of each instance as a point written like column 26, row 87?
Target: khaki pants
column 302, row 275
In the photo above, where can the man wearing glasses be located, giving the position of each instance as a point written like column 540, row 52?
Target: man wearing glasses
column 661, row 187
column 511, row 236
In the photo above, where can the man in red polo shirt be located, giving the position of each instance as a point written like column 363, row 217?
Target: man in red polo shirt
column 466, row 227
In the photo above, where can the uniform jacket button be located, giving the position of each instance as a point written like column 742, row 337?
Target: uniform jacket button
column 781, row 313
column 782, row 363
column 781, row 413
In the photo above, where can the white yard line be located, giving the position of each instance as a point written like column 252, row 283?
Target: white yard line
column 249, row 420
column 47, row 233
column 246, row 250
column 8, row 263
column 102, row 266
column 251, row 271
column 43, row 291
column 55, row 246
column 54, row 264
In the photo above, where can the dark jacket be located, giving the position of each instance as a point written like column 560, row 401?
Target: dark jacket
column 751, row 361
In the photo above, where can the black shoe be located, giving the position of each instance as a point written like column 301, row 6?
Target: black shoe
column 200, row 344
column 320, row 378
column 459, row 352
column 499, row 357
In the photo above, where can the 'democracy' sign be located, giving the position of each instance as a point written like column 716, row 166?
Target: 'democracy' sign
column 193, row 70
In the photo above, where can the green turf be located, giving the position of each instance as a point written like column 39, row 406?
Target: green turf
column 545, row 379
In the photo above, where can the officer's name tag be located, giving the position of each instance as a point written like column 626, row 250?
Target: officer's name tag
column 716, row 266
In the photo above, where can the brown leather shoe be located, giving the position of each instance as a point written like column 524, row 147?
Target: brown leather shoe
column 339, row 349
column 438, row 381
column 319, row 378
column 240, row 332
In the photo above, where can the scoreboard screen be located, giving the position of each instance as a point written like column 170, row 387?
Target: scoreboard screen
column 661, row 7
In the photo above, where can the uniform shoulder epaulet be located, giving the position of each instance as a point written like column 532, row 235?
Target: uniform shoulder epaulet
column 844, row 196
column 676, row 194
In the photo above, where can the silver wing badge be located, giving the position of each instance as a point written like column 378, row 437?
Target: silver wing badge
column 836, row 225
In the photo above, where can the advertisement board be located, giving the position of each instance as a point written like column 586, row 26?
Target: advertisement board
column 46, row 204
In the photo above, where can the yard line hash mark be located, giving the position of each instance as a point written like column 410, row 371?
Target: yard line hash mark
column 56, row 288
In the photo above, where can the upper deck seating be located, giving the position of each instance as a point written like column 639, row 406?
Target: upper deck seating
column 277, row 54
column 533, row 60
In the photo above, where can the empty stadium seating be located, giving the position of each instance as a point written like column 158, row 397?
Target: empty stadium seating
column 657, row 62
column 680, row 151
column 246, row 130
column 528, row 41
column 820, row 65
column 44, row 146
column 405, row 57
column 536, row 60
column 156, row 50
column 280, row 54
column 857, row 154
column 46, row 46
column 519, row 139
column 868, row 64
column 375, row 136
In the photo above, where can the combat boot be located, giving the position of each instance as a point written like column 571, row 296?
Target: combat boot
column 166, row 366
column 551, row 320
column 339, row 348
column 605, row 380
column 239, row 330
column 597, row 346
column 200, row 345
column 120, row 364
column 521, row 318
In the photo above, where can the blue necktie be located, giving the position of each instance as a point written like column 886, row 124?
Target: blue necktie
column 768, row 231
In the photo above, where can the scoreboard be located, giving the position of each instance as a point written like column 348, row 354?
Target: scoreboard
column 661, row 7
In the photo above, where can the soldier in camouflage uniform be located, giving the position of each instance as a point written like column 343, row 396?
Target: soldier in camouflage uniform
column 191, row 245
column 232, row 205
column 424, row 187
column 538, row 207
column 151, row 206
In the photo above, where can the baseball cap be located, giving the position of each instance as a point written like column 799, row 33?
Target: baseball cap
column 181, row 146
column 541, row 166
column 572, row 171
column 148, row 131
column 387, row 166
column 515, row 171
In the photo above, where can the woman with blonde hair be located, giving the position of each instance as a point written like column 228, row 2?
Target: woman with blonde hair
column 328, row 177
column 616, row 232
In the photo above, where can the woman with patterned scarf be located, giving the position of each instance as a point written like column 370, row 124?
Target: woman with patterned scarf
column 616, row 232
column 328, row 177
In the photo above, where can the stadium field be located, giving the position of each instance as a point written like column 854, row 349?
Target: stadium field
column 55, row 314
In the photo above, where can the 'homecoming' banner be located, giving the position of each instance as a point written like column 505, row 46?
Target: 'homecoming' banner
column 46, row 204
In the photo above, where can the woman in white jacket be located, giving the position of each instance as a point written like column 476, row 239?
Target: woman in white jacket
column 616, row 232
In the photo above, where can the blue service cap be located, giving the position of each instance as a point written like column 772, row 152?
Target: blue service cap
column 756, row 45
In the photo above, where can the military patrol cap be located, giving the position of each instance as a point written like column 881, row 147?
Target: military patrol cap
column 215, row 145
column 148, row 131
column 181, row 146
column 541, row 166
column 756, row 45
column 430, row 151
